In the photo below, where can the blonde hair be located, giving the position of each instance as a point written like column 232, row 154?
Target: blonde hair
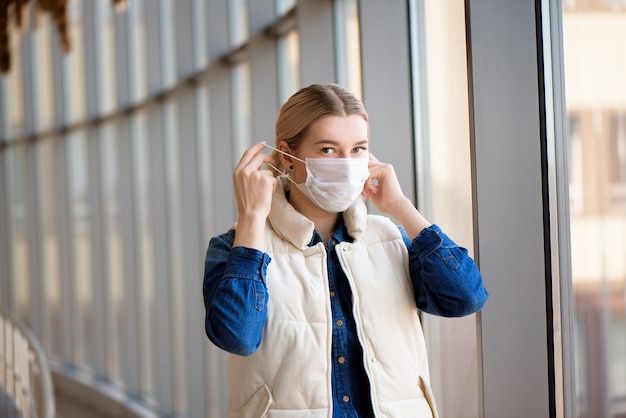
column 308, row 105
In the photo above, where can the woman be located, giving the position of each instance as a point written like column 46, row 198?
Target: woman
column 316, row 300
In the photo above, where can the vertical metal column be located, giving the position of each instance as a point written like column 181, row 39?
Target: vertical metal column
column 508, row 143
column 6, row 284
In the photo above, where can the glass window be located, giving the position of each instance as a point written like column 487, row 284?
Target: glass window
column 15, row 160
column 104, row 33
column 80, row 211
column 4, row 114
column 47, row 222
column 175, row 248
column 616, row 154
column 238, row 31
column 242, row 122
column 348, row 45
column 43, row 80
column 74, row 67
column 596, row 105
column 145, row 241
column 575, row 164
column 167, row 30
column 288, row 57
column 137, row 48
column 283, row 6
column 199, row 34
column 114, row 250
column 12, row 88
column 444, row 183
column 205, row 159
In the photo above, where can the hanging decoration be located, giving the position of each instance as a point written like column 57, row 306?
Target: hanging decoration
column 19, row 10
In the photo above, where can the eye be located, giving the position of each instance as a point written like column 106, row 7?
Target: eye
column 358, row 150
column 327, row 150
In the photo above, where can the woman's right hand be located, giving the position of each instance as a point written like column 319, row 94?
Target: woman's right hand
column 254, row 187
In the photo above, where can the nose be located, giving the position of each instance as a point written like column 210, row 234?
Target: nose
column 346, row 153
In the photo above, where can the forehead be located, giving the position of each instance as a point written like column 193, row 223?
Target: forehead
column 339, row 128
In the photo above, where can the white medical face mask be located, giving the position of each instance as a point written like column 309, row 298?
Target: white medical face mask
column 333, row 184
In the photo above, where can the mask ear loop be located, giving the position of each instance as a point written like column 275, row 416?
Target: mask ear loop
column 283, row 152
column 286, row 175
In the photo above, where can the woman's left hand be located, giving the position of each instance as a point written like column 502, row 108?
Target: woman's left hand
column 383, row 188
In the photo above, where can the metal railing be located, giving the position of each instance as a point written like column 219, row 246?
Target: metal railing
column 25, row 381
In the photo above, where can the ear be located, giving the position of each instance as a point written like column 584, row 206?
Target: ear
column 285, row 160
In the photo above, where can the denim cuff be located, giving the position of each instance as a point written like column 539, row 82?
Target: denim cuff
column 428, row 241
column 247, row 263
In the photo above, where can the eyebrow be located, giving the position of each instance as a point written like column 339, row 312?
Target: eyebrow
column 332, row 142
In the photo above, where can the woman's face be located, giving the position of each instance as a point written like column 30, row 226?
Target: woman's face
column 332, row 137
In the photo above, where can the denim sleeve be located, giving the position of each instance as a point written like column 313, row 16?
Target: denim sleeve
column 235, row 295
column 446, row 281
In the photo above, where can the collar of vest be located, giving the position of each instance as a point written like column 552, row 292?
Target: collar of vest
column 296, row 228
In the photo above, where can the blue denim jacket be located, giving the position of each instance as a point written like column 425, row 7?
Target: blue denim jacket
column 445, row 279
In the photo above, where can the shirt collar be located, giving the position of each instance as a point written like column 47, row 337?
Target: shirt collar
column 341, row 233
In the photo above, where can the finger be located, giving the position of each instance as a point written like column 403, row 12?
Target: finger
column 259, row 160
column 373, row 163
column 250, row 153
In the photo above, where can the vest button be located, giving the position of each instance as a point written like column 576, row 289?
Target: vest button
column 339, row 322
column 332, row 294
column 346, row 398
column 341, row 360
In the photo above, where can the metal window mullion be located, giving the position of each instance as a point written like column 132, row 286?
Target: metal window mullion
column 66, row 255
column 65, row 240
column 4, row 114
column 100, row 278
column 76, row 150
column 419, row 82
column 508, row 192
column 131, row 348
column 143, row 216
column 172, row 186
column 161, row 308
column 34, row 235
column 29, row 111
column 192, row 307
column 6, row 258
column 558, row 163
column 224, row 211
column 93, row 43
column 215, row 391
column 29, row 70
column 134, row 376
